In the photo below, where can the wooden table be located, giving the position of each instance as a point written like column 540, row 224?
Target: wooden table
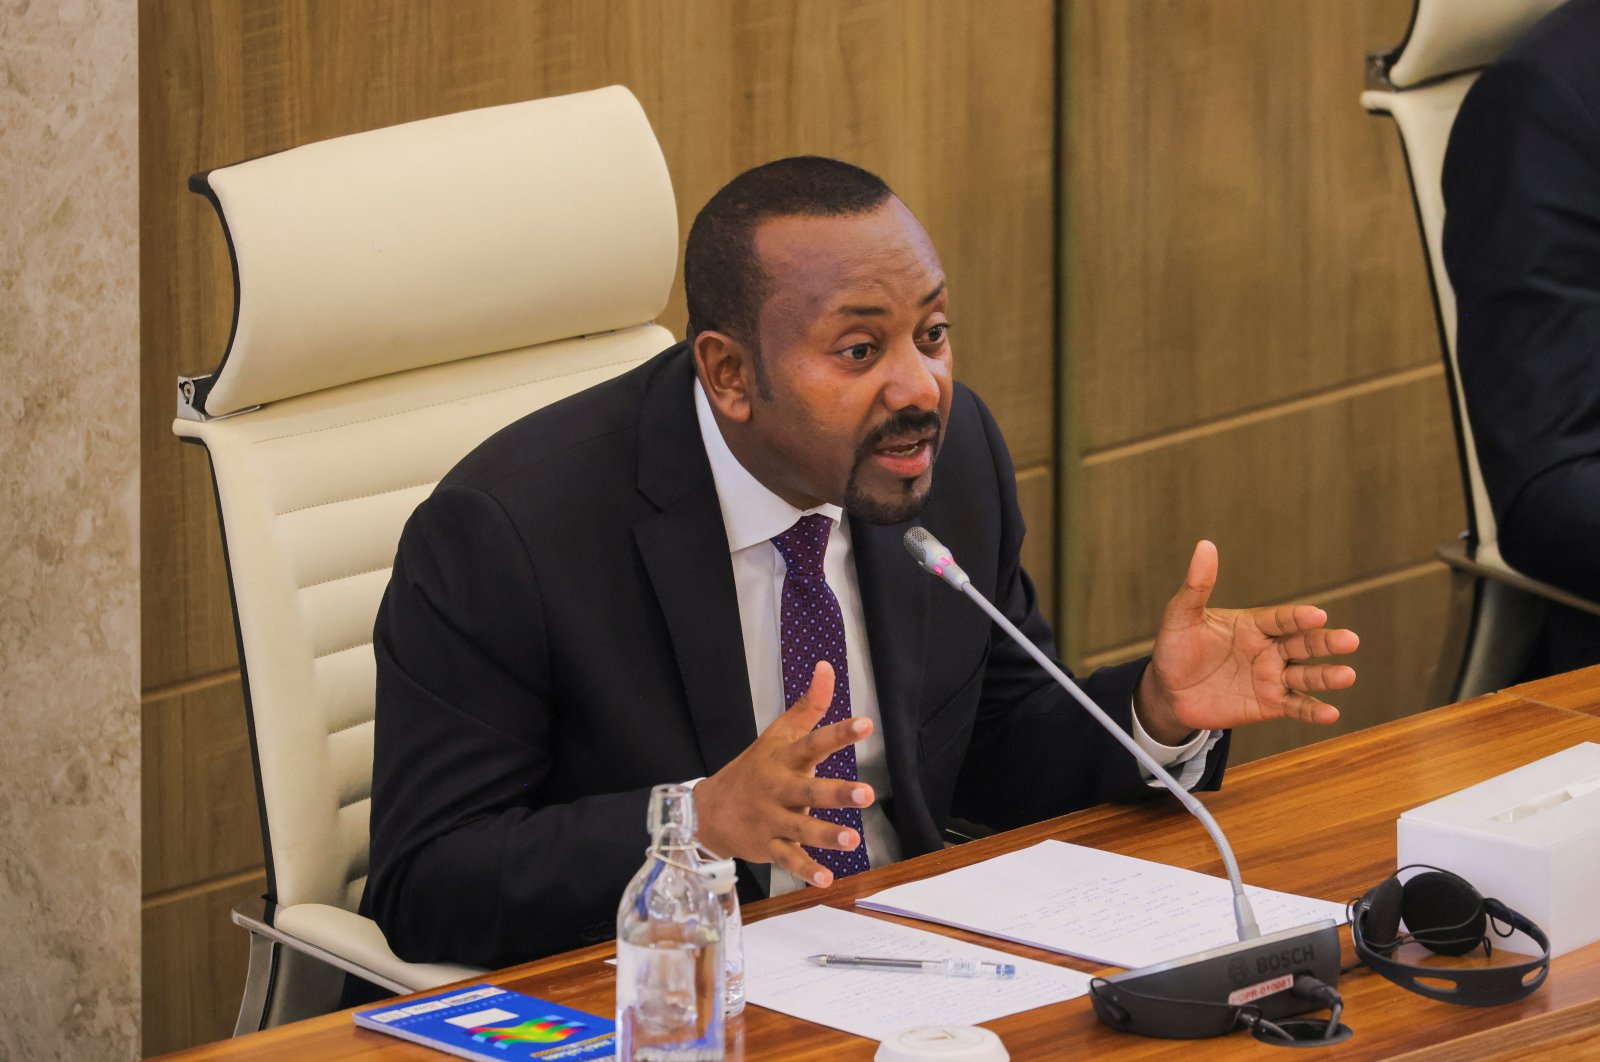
column 1318, row 821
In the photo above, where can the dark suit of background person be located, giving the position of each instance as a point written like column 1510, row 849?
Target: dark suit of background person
column 1522, row 246
column 561, row 632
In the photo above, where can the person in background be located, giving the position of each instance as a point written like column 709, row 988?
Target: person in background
column 1522, row 247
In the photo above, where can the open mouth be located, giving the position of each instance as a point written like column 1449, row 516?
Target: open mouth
column 905, row 449
column 905, row 457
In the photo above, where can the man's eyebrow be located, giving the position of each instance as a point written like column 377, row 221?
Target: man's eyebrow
column 849, row 310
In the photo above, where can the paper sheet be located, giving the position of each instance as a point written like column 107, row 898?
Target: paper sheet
column 878, row 1003
column 1096, row 905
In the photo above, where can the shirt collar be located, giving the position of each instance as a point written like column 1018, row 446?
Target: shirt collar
column 751, row 514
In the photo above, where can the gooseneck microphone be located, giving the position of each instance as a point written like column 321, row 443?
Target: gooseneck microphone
column 1211, row 992
column 934, row 558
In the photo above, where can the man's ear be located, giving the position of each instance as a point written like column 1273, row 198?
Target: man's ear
column 727, row 372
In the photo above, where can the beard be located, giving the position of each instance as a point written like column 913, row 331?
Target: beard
column 909, row 499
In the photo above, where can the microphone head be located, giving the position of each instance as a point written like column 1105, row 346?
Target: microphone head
column 930, row 553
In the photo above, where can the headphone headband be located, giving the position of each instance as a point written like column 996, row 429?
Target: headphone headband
column 1473, row 988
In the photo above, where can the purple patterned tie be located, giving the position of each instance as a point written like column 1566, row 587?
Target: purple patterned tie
column 812, row 630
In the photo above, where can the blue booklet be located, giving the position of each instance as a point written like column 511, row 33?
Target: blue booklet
column 495, row 1024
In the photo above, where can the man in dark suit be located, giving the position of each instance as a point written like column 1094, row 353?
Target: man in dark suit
column 1522, row 246
column 694, row 573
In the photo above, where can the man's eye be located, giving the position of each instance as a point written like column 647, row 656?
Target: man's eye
column 937, row 333
column 858, row 351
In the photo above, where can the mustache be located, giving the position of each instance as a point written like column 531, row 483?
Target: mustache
column 900, row 425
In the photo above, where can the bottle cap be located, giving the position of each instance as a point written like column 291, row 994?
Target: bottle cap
column 949, row 1043
column 720, row 875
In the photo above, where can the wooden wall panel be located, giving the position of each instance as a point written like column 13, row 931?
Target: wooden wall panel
column 199, row 814
column 1248, row 346
column 195, row 959
column 952, row 101
column 186, row 311
column 1321, row 496
column 1241, row 231
column 1036, row 495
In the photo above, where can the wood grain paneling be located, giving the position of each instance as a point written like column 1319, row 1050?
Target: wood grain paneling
column 200, row 816
column 1036, row 496
column 1239, row 230
column 1340, row 492
column 1249, row 352
column 194, row 964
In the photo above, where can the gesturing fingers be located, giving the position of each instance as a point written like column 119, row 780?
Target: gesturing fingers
column 1188, row 605
column 824, row 741
column 1307, row 709
column 1279, row 620
column 791, row 857
column 1304, row 677
column 814, row 792
column 1308, row 645
column 812, row 705
column 800, row 830
column 757, row 806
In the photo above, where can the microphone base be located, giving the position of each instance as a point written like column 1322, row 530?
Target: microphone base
column 1201, row 995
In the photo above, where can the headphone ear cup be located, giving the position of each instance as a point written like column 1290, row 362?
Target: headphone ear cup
column 1380, row 925
column 1443, row 913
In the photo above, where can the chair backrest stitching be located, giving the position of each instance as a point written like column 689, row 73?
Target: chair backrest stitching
column 356, row 497
column 346, row 649
column 352, row 726
column 342, row 578
column 450, row 401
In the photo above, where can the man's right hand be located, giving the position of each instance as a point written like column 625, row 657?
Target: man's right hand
column 756, row 808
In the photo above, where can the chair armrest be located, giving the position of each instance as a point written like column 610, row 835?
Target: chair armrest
column 347, row 941
column 1455, row 555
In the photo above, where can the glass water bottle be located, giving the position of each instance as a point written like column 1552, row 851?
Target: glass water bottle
column 670, row 927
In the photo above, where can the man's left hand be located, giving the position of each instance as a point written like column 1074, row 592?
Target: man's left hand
column 1215, row 668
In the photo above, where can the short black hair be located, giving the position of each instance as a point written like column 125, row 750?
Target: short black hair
column 722, row 277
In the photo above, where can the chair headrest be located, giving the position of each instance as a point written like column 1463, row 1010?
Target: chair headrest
column 1454, row 36
column 439, row 240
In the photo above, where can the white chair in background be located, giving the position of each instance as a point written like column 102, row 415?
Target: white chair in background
column 1420, row 84
column 401, row 294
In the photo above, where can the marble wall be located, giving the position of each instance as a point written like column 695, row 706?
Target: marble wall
column 69, row 580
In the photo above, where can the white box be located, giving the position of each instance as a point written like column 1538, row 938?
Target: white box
column 1529, row 838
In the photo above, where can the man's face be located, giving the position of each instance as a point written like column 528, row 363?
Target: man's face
column 855, row 349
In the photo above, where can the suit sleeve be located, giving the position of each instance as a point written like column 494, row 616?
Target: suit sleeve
column 1522, row 246
column 468, row 864
column 1035, row 753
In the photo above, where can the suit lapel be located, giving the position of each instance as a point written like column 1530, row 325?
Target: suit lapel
column 894, row 601
column 685, row 551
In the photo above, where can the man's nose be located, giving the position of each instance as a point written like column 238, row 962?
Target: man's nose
column 913, row 381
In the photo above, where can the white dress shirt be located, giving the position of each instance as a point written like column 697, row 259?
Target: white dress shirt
column 752, row 516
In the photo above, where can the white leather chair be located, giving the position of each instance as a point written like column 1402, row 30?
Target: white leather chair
column 400, row 295
column 1421, row 85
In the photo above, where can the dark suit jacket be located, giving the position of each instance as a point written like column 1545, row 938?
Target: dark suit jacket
column 1522, row 246
column 561, row 633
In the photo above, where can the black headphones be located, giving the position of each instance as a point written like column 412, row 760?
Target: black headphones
column 1445, row 914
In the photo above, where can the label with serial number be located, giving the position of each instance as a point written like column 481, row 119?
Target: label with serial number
column 1251, row 993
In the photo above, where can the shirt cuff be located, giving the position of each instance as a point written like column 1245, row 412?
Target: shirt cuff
column 1188, row 759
